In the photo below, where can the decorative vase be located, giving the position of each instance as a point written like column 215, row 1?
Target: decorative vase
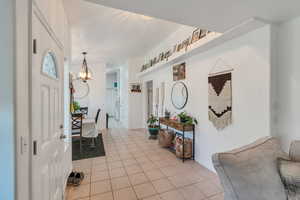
column 153, row 132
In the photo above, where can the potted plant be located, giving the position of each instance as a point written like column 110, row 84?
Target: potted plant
column 187, row 119
column 76, row 106
column 153, row 127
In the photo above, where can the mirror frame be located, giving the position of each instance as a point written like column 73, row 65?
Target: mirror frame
column 88, row 89
column 187, row 95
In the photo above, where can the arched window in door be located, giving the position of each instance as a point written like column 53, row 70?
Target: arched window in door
column 49, row 65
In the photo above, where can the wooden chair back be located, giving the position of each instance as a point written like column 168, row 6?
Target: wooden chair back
column 77, row 123
column 97, row 115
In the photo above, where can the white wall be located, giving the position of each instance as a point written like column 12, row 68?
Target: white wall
column 22, row 104
column 288, row 82
column 96, row 97
column 7, row 108
column 54, row 13
column 249, row 55
column 111, row 78
column 181, row 34
column 124, row 95
column 135, row 116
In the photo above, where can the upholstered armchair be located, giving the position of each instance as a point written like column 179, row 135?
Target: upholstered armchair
column 251, row 172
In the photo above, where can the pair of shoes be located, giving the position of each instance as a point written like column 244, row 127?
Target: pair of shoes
column 75, row 178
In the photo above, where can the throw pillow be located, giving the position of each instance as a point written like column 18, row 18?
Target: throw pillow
column 290, row 174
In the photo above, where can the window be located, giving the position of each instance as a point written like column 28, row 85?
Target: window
column 49, row 65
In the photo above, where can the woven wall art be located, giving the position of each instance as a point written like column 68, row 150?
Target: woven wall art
column 220, row 100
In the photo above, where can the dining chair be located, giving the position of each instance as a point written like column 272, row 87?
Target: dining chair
column 90, row 128
column 77, row 126
column 97, row 115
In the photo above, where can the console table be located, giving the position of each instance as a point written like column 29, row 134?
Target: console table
column 183, row 128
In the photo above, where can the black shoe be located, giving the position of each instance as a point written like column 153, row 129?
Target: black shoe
column 79, row 176
column 71, row 178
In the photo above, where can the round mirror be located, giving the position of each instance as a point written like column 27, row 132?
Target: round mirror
column 179, row 95
column 81, row 88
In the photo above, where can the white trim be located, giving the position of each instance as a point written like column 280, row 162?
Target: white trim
column 38, row 13
column 22, row 77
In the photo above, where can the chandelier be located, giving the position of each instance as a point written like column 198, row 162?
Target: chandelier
column 85, row 73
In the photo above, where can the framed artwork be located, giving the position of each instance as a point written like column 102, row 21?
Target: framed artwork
column 186, row 43
column 179, row 47
column 152, row 62
column 168, row 54
column 144, row 67
column 195, row 35
column 156, row 59
column 161, row 57
column 179, row 72
column 202, row 33
column 136, row 87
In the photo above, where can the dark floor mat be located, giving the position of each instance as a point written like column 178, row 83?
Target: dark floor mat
column 87, row 150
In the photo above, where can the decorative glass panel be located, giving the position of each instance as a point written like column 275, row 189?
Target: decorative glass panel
column 49, row 65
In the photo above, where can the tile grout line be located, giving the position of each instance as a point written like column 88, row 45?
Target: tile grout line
column 131, row 147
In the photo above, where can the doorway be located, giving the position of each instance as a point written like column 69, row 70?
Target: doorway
column 112, row 99
column 149, row 104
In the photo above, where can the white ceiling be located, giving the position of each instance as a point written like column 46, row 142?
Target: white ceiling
column 111, row 35
column 215, row 15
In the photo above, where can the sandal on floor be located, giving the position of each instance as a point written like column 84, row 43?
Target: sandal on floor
column 79, row 176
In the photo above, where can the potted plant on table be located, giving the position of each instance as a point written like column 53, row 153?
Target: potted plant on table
column 187, row 119
column 153, row 127
column 76, row 106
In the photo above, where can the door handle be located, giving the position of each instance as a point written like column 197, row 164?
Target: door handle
column 61, row 126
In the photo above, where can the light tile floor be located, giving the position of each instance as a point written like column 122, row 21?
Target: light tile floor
column 136, row 168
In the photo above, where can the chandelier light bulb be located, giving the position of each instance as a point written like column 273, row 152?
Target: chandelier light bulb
column 85, row 73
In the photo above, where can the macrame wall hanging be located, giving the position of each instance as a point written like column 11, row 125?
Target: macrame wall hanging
column 220, row 95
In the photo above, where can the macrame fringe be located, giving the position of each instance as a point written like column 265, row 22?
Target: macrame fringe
column 222, row 122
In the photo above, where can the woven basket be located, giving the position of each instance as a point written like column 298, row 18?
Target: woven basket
column 188, row 144
column 165, row 138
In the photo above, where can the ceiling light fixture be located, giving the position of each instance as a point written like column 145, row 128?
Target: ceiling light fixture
column 85, row 73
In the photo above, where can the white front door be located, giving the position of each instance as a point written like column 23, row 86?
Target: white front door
column 48, row 146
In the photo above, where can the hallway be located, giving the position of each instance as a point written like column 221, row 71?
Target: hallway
column 137, row 168
column 114, row 124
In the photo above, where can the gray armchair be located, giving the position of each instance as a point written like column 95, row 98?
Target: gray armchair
column 251, row 172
